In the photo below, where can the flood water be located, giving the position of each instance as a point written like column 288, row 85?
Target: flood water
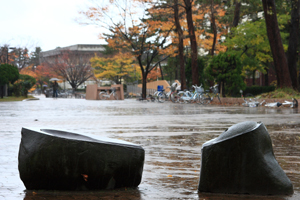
column 171, row 134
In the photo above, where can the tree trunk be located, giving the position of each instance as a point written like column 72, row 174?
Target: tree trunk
column 194, row 50
column 253, row 77
column 144, row 86
column 267, row 77
column 237, row 10
column 280, row 61
column 214, row 28
column 2, row 91
column 293, row 42
column 223, row 89
column 180, row 46
column 176, row 71
column 144, row 77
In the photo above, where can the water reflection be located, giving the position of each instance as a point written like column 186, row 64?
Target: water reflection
column 208, row 196
column 172, row 136
column 193, row 109
column 172, row 163
column 123, row 193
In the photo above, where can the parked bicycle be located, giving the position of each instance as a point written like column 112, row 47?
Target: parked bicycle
column 106, row 95
column 161, row 96
column 293, row 103
column 189, row 96
column 252, row 102
column 206, row 98
column 175, row 88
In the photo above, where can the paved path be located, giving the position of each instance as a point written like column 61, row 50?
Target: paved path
column 172, row 135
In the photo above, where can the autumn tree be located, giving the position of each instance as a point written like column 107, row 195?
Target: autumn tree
column 41, row 73
column 23, row 84
column 193, row 40
column 212, row 27
column 146, row 40
column 180, row 44
column 114, row 68
column 21, row 57
column 72, row 66
column 167, row 13
column 181, row 35
column 6, row 56
column 154, row 74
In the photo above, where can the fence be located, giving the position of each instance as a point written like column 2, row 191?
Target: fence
column 137, row 91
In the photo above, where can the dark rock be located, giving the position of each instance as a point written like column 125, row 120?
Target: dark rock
column 241, row 161
column 59, row 160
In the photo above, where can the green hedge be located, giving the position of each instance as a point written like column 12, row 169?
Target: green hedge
column 256, row 90
column 81, row 90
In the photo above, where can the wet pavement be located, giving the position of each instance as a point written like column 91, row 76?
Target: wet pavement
column 171, row 134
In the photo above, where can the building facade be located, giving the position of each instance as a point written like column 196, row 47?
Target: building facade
column 75, row 57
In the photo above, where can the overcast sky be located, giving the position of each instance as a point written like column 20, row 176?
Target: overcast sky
column 47, row 24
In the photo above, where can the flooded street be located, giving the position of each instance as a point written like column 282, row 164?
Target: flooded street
column 171, row 134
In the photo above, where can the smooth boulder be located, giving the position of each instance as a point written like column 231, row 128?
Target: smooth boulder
column 241, row 161
column 60, row 160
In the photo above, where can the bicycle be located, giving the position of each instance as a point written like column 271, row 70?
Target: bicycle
column 205, row 98
column 161, row 96
column 252, row 103
column 293, row 103
column 105, row 95
column 189, row 96
column 174, row 92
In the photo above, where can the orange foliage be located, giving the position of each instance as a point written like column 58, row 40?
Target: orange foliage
column 205, row 35
column 154, row 74
column 28, row 71
column 41, row 73
column 202, row 30
column 44, row 71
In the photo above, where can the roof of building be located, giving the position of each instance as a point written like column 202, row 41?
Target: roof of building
column 76, row 47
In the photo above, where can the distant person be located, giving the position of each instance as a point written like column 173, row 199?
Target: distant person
column 55, row 88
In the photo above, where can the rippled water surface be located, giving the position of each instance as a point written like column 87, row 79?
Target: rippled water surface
column 171, row 134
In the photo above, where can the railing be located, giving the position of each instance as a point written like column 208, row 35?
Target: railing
column 137, row 91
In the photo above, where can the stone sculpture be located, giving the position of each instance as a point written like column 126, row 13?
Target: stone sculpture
column 59, row 160
column 241, row 161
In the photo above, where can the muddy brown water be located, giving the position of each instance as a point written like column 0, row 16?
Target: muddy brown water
column 171, row 134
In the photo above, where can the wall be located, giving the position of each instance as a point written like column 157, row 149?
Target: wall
column 92, row 91
column 154, row 84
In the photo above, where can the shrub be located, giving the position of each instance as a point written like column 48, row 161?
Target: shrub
column 256, row 90
column 24, row 84
column 226, row 70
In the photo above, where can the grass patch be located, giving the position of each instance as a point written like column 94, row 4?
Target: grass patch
column 282, row 93
column 13, row 98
